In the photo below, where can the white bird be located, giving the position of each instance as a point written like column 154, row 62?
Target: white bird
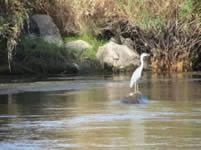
column 137, row 74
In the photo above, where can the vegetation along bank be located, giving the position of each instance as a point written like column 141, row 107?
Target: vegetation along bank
column 73, row 36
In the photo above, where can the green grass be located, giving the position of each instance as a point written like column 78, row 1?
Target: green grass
column 92, row 40
column 186, row 11
column 149, row 21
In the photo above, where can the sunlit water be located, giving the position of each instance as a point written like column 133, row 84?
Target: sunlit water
column 86, row 113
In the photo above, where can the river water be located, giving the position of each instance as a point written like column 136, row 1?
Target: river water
column 86, row 113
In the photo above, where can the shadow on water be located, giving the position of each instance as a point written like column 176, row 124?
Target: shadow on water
column 86, row 113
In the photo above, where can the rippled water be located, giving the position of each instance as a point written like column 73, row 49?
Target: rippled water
column 85, row 113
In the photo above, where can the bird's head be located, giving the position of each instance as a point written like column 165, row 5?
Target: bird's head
column 145, row 54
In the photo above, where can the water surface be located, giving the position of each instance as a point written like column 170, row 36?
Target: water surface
column 85, row 113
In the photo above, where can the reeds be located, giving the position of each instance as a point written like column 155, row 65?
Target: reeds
column 177, row 48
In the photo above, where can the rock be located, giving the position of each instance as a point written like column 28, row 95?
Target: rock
column 76, row 67
column 128, row 42
column 77, row 45
column 124, row 41
column 119, row 57
column 44, row 26
column 136, row 98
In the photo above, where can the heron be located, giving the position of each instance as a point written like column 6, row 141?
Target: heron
column 137, row 73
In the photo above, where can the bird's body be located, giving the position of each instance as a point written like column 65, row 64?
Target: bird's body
column 136, row 76
column 138, row 72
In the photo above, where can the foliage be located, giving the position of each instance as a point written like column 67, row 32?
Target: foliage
column 84, row 18
column 75, row 16
column 176, row 47
column 38, row 56
column 186, row 10
column 149, row 13
column 91, row 16
column 12, row 13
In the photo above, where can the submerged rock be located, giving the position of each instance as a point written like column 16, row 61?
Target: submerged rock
column 135, row 98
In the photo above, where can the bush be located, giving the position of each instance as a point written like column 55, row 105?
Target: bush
column 40, row 57
column 12, row 14
column 93, row 17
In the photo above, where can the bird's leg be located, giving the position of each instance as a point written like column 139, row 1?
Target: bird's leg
column 135, row 87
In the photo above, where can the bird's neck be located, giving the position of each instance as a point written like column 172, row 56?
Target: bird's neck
column 142, row 63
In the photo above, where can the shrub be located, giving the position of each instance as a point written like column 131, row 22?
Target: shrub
column 40, row 57
column 12, row 14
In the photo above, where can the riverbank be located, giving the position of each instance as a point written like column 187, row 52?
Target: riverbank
column 171, row 34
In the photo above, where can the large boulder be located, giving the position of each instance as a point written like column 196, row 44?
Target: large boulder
column 77, row 46
column 44, row 27
column 118, row 57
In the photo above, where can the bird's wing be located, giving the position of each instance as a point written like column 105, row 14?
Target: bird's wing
column 135, row 77
column 132, row 83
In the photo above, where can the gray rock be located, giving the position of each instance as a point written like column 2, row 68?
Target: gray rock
column 117, row 56
column 44, row 26
column 77, row 45
column 124, row 41
column 128, row 42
